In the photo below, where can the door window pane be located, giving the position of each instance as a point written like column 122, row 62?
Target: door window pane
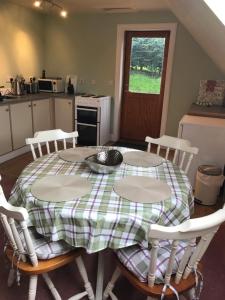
column 146, row 65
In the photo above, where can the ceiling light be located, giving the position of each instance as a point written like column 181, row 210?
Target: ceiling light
column 63, row 13
column 37, row 3
column 50, row 4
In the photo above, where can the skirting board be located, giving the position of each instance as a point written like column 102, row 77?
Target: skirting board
column 14, row 154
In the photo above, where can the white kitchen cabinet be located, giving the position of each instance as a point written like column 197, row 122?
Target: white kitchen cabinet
column 5, row 131
column 21, row 121
column 42, row 115
column 64, row 114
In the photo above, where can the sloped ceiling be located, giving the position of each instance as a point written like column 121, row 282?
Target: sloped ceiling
column 204, row 26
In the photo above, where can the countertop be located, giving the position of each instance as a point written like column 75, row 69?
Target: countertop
column 207, row 111
column 34, row 97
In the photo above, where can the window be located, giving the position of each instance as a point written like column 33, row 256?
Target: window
column 218, row 8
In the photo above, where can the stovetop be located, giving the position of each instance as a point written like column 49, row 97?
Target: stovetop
column 92, row 100
column 92, row 96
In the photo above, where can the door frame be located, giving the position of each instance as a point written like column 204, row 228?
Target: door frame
column 120, row 47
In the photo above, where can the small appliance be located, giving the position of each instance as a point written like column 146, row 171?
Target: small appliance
column 51, row 85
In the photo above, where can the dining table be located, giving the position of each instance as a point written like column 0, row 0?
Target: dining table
column 102, row 218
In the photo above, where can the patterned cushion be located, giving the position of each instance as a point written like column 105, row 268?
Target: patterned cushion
column 211, row 92
column 44, row 248
column 137, row 260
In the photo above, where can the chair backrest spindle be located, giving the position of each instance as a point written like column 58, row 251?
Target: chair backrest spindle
column 47, row 147
column 64, row 144
column 39, row 149
column 152, row 266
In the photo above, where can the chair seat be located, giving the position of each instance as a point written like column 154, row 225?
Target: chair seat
column 44, row 248
column 156, row 290
column 43, row 266
column 137, row 260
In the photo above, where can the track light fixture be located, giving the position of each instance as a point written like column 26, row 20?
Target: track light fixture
column 50, row 4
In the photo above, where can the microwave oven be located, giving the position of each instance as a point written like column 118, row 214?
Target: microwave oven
column 51, row 85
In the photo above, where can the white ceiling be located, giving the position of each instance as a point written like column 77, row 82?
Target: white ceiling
column 104, row 5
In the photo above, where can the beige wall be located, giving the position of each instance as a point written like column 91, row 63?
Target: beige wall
column 21, row 41
column 85, row 44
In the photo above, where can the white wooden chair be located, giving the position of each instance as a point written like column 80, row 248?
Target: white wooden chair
column 173, row 260
column 181, row 150
column 45, row 137
column 31, row 254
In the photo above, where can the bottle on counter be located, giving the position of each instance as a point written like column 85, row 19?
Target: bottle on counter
column 43, row 74
column 70, row 87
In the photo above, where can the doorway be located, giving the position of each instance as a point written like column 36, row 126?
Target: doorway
column 144, row 74
column 120, row 45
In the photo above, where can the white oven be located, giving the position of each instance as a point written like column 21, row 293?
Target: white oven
column 92, row 119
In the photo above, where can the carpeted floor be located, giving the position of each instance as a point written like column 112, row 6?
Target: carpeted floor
column 67, row 279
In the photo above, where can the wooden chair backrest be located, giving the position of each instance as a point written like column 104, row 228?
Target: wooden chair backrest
column 203, row 228
column 183, row 151
column 8, row 215
column 48, row 136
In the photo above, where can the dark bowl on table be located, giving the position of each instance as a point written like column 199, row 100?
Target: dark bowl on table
column 105, row 162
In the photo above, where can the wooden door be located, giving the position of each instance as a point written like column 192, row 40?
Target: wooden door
column 21, row 120
column 64, row 114
column 42, row 119
column 5, row 132
column 145, row 64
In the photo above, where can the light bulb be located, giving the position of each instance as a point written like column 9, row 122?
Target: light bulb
column 63, row 13
column 37, row 3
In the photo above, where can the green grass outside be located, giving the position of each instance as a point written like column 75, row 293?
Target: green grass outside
column 142, row 83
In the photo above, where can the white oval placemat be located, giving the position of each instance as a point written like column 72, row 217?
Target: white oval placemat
column 60, row 188
column 142, row 189
column 142, row 159
column 76, row 154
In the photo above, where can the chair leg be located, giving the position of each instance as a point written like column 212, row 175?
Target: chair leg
column 32, row 287
column 83, row 273
column 108, row 290
column 51, row 286
column 11, row 277
column 190, row 294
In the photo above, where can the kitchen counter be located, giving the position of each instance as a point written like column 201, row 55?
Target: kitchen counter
column 207, row 111
column 35, row 97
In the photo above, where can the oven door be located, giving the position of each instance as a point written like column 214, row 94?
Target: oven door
column 88, row 115
column 88, row 134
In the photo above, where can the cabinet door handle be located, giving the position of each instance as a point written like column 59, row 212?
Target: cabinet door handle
column 69, row 102
column 6, row 109
column 29, row 105
column 34, row 104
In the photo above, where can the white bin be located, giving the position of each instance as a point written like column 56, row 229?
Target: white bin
column 209, row 179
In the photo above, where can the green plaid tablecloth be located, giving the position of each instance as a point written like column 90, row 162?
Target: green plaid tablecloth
column 101, row 219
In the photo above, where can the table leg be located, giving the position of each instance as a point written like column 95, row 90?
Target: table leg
column 100, row 277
